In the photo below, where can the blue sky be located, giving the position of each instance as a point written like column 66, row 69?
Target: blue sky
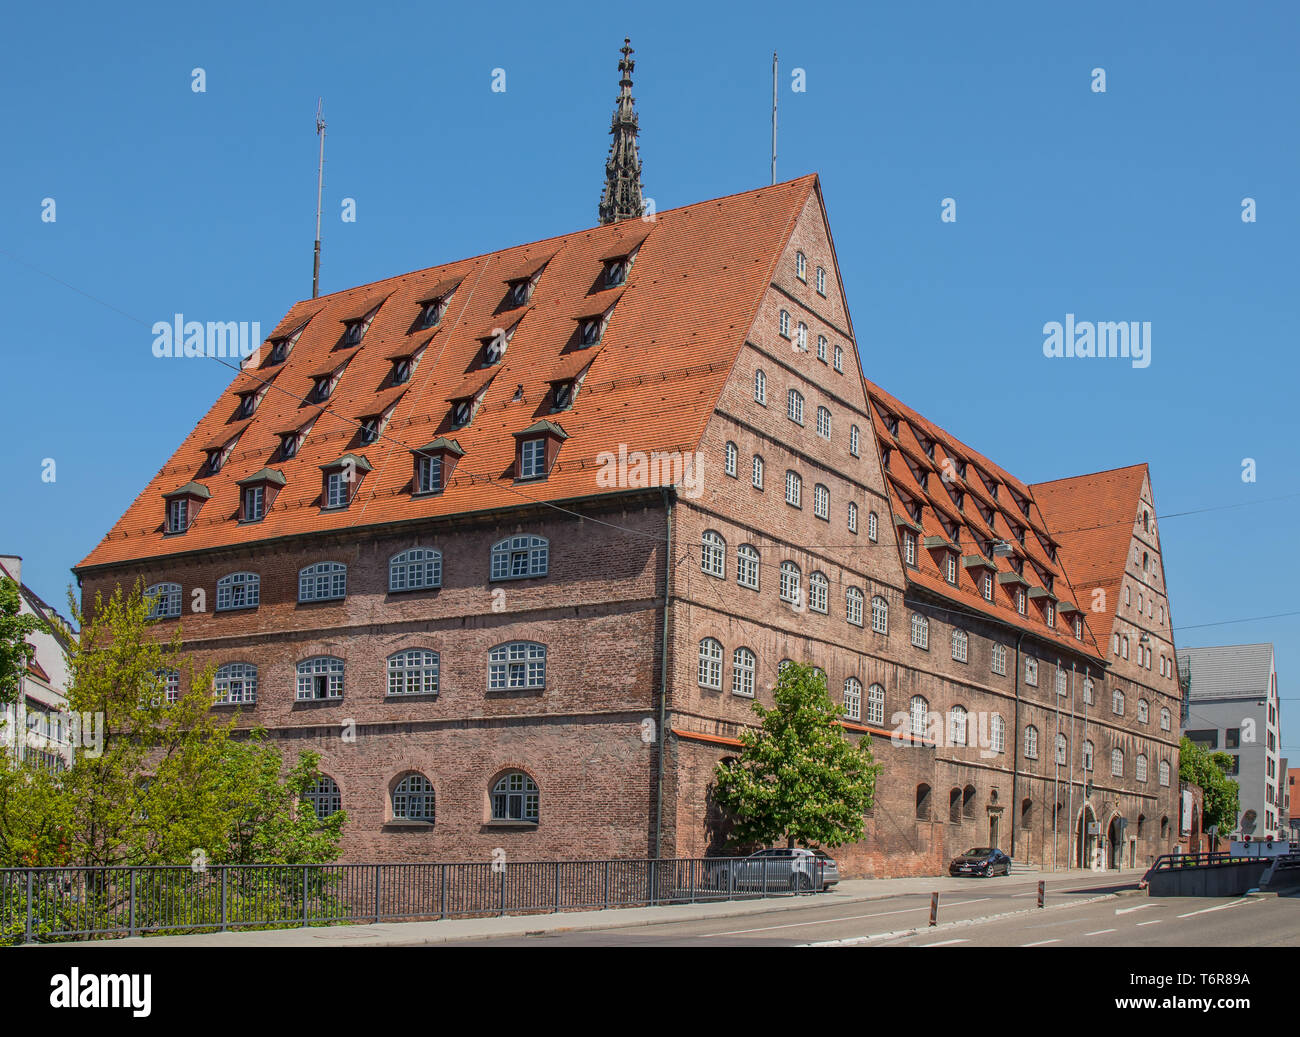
column 1123, row 205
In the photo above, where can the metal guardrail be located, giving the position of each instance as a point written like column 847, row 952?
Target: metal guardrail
column 52, row 904
column 1175, row 861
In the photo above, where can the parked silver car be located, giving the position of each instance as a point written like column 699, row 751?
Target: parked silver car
column 798, row 869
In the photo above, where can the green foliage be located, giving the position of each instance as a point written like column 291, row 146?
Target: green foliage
column 1198, row 766
column 799, row 779
column 154, row 782
column 15, row 628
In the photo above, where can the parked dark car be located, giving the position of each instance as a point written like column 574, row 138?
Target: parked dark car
column 983, row 860
column 798, row 869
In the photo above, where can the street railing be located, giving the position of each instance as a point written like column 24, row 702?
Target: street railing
column 1174, row 861
column 51, row 904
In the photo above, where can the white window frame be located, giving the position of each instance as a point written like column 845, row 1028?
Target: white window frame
column 532, row 458
column 747, row 566
column 744, row 664
column 756, row 477
column 791, row 578
column 958, row 725
column 920, row 631
column 730, row 456
column 1062, row 750
column 855, row 436
column 520, row 557
column 918, row 710
column 998, row 733
column 999, row 661
column 413, row 799
column 873, row 527
column 794, row 406
column 235, row 683
column 713, row 554
column 793, row 488
column 853, row 599
column 1031, row 742
column 960, row 645
column 709, row 673
column 838, row 359
column 853, row 699
column 853, row 517
column 760, row 387
column 823, row 421
column 822, row 502
column 241, row 590
column 819, row 589
column 876, row 704
column 517, row 665
column 309, row 672
column 413, row 671
column 879, row 614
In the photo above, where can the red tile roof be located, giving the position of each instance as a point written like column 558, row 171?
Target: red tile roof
column 929, row 573
column 691, row 296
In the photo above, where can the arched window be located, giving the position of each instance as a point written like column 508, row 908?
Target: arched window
column 821, row 348
column 320, row 677
column 821, row 281
column 1031, row 742
column 519, row 557
column 957, row 718
column 1087, row 755
column 1164, row 772
column 164, row 600
column 822, row 502
column 918, row 711
column 1141, row 767
column 1062, row 750
column 920, row 631
column 794, row 406
column 968, row 802
column 416, row 568
column 171, row 680
column 999, row 659
column 1117, row 762
column 873, row 527
column 760, row 388
column 1144, row 711
column 802, row 336
column 960, row 645
column 790, row 582
column 876, row 704
column 879, row 615
column 793, row 489
column 783, row 323
column 854, row 437
column 413, row 672
column 758, row 472
column 747, row 566
column 823, row 422
column 238, row 591
column 324, row 797
column 710, row 670
column 731, row 456
column 1031, row 671
column 853, row 699
column 518, row 664
column 800, row 266
column 743, row 663
column 1164, row 718
column 236, row 683
column 713, row 554
column 923, row 802
column 413, row 799
column 998, row 733
column 1062, row 687
column 324, row 581
column 853, row 517
column 818, row 592
column 853, row 607
column 1117, row 702
column 515, row 798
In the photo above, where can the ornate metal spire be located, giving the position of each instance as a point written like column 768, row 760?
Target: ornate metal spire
column 622, row 199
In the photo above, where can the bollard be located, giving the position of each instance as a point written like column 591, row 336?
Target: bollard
column 1041, row 884
column 934, row 908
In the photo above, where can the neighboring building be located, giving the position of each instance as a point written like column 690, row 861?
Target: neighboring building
column 36, row 726
column 514, row 543
column 1232, row 706
column 1106, row 526
column 1289, row 792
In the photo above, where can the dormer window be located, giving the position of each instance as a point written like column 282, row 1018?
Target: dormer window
column 257, row 494
column 183, row 506
column 289, row 444
column 321, row 390
column 434, row 463
column 369, row 430
column 536, row 449
column 402, row 370
column 520, row 291
column 281, row 347
column 496, row 342
column 341, row 478
column 353, row 332
column 431, row 313
column 616, row 271
column 563, row 395
column 247, row 404
column 461, row 412
column 216, row 456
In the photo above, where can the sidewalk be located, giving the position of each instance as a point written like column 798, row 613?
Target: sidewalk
column 419, row 934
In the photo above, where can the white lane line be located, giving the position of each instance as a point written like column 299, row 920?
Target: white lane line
column 1126, row 910
column 944, row 943
column 1040, row 943
column 1221, row 907
column 1099, row 932
column 846, row 918
column 1156, row 922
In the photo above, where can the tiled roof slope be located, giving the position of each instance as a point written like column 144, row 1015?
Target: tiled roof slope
column 982, row 518
column 1229, row 671
column 1093, row 517
column 675, row 330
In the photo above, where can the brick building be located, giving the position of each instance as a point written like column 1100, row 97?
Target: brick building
column 514, row 542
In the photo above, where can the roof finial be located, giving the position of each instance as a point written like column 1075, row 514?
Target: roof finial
column 621, row 199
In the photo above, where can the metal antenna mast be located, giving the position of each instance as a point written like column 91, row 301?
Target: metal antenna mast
column 320, row 185
column 774, row 117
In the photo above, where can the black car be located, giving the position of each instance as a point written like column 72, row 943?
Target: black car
column 983, row 860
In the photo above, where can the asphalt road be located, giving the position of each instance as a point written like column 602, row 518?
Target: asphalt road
column 831, row 917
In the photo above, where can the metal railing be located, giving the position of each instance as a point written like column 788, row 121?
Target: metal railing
column 1175, row 861
column 52, row 904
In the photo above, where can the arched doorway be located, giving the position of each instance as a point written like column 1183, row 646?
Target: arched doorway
column 1085, row 839
column 1114, row 843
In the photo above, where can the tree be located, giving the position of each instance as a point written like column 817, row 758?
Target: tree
column 1198, row 766
column 15, row 628
column 798, row 779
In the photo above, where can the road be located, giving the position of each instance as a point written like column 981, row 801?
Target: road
column 1079, row 913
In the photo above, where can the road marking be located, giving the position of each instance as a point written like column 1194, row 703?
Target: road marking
column 1126, row 910
column 1099, row 932
column 1221, row 907
column 846, row 918
column 944, row 943
column 1156, row 922
column 1039, row 943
